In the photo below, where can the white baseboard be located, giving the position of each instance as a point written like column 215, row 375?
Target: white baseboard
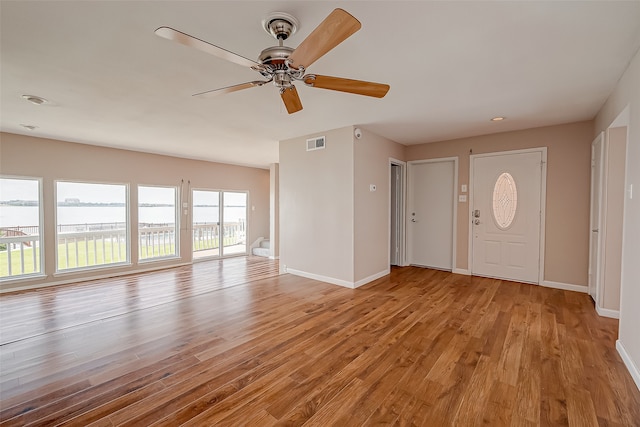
column 274, row 257
column 87, row 279
column 605, row 312
column 463, row 271
column 628, row 362
column 564, row 286
column 321, row 278
column 371, row 278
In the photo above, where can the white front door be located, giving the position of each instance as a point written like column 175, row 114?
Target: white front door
column 596, row 206
column 431, row 213
column 506, row 215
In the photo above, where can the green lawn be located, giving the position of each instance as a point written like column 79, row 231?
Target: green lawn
column 147, row 252
column 89, row 255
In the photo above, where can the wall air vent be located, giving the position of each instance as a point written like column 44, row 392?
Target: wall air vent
column 315, row 143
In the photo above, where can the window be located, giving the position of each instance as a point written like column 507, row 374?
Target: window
column 21, row 236
column 157, row 219
column 91, row 225
column 505, row 200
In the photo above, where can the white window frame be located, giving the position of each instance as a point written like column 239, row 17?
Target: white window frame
column 176, row 231
column 126, row 262
column 41, row 273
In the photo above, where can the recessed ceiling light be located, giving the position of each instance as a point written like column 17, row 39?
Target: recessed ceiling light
column 30, row 127
column 497, row 119
column 37, row 100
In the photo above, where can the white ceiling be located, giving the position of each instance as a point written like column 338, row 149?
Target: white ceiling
column 451, row 66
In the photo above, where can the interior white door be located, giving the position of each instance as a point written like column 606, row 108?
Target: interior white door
column 430, row 219
column 506, row 214
column 597, row 148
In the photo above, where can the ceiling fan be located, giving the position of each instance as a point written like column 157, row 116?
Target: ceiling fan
column 283, row 65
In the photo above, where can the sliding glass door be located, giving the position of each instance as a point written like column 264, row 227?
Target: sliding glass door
column 235, row 222
column 219, row 223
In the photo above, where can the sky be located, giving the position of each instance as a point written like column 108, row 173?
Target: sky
column 18, row 189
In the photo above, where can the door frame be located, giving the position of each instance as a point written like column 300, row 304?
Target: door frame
column 221, row 253
column 454, row 231
column 543, row 199
column 594, row 283
column 402, row 256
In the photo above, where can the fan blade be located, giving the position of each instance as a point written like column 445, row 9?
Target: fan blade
column 229, row 89
column 291, row 99
column 187, row 40
column 358, row 87
column 335, row 29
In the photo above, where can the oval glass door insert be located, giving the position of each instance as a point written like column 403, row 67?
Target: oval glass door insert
column 505, row 200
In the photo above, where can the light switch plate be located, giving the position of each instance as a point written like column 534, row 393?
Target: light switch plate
column 462, row 198
column 463, row 188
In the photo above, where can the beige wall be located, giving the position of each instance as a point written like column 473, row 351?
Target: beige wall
column 613, row 210
column 331, row 226
column 58, row 160
column 568, row 190
column 627, row 95
column 372, row 153
column 316, row 207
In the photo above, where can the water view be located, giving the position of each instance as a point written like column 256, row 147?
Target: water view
column 14, row 216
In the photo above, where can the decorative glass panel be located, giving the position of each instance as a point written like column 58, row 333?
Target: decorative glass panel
column 505, row 200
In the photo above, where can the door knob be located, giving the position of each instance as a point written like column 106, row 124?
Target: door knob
column 476, row 221
column 413, row 220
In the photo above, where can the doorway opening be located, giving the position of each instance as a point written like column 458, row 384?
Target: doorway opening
column 608, row 191
column 397, row 177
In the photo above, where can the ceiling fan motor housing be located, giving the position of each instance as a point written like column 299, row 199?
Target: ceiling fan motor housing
column 275, row 56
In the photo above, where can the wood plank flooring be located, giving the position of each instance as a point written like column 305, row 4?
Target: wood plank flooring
column 231, row 343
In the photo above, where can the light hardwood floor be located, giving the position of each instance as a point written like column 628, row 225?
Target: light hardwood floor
column 231, row 343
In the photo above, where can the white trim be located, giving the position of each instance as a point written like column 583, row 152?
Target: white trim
column 88, row 279
column 371, row 278
column 464, row 271
column 454, row 231
column 543, row 209
column 605, row 312
column 628, row 362
column 321, row 278
column 565, row 286
column 128, row 227
column 339, row 282
column 274, row 257
column 41, row 248
column 594, row 283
